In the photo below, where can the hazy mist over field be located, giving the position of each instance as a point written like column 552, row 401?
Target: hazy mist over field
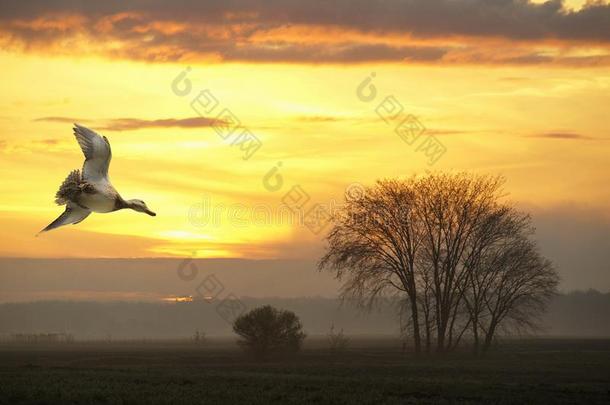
column 572, row 315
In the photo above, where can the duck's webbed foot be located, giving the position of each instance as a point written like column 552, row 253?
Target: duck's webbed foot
column 86, row 188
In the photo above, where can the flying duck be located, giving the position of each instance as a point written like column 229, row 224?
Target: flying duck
column 90, row 190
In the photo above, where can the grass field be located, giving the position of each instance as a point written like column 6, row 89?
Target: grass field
column 372, row 371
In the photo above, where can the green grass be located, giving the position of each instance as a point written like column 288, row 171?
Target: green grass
column 535, row 371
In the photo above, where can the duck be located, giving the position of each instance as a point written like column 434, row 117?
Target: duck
column 90, row 190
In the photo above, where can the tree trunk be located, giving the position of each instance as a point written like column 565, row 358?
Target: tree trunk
column 475, row 335
column 442, row 331
column 415, row 319
column 428, row 334
column 489, row 338
column 440, row 339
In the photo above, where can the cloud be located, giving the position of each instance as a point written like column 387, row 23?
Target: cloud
column 129, row 124
column 42, row 145
column 69, row 120
column 516, row 19
column 343, row 53
column 319, row 118
column 341, row 31
column 562, row 135
column 440, row 132
column 49, row 142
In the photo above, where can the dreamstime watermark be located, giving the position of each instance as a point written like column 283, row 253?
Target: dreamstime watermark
column 407, row 127
column 211, row 290
column 316, row 217
column 226, row 124
column 291, row 211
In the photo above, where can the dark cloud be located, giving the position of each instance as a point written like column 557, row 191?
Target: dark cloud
column 518, row 19
column 128, row 124
column 235, row 30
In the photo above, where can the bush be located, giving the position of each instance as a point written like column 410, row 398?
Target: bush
column 266, row 330
column 199, row 337
column 338, row 342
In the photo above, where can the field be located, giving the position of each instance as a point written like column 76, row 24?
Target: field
column 372, row 371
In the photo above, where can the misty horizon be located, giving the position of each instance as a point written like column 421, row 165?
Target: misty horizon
column 576, row 314
column 152, row 279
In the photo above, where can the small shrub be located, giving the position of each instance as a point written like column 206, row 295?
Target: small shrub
column 199, row 337
column 337, row 341
column 266, row 330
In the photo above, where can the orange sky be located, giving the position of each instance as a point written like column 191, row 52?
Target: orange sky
column 533, row 109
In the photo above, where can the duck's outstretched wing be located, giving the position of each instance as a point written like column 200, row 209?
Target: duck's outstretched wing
column 72, row 215
column 96, row 149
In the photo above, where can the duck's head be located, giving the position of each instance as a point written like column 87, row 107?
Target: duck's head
column 140, row 206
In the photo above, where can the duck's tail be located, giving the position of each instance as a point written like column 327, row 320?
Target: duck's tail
column 69, row 188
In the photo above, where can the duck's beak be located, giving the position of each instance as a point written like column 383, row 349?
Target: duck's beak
column 149, row 212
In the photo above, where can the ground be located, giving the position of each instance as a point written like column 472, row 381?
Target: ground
column 371, row 371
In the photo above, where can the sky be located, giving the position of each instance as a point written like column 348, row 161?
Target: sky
column 219, row 112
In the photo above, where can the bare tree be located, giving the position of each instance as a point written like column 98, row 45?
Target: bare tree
column 449, row 249
column 519, row 285
column 374, row 244
column 450, row 208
